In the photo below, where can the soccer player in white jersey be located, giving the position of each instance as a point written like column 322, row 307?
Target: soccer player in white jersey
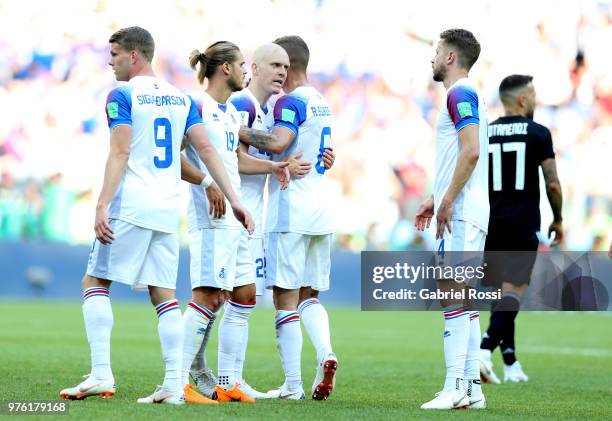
column 299, row 228
column 255, row 108
column 461, row 205
column 220, row 256
column 137, row 214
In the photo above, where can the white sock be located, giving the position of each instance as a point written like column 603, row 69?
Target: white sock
column 472, row 362
column 232, row 330
column 456, row 335
column 170, row 329
column 199, row 362
column 241, row 355
column 197, row 321
column 289, row 342
column 98, row 316
column 316, row 322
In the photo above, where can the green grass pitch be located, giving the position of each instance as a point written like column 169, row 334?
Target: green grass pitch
column 390, row 363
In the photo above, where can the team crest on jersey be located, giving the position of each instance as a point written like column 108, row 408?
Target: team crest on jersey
column 259, row 119
column 215, row 117
column 222, row 273
column 156, row 86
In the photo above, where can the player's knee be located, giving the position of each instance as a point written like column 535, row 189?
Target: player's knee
column 519, row 290
column 244, row 294
column 285, row 299
column 211, row 298
column 308, row 293
column 93, row 282
column 160, row 295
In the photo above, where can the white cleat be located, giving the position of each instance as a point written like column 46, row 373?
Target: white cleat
column 255, row 394
column 205, row 381
column 90, row 387
column 487, row 375
column 478, row 403
column 514, row 373
column 325, row 380
column 283, row 392
column 163, row 395
column 448, row 399
column 475, row 395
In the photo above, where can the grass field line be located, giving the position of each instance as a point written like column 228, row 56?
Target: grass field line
column 587, row 352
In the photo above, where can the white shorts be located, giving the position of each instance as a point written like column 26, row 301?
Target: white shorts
column 220, row 258
column 256, row 245
column 465, row 244
column 465, row 236
column 138, row 257
column 298, row 260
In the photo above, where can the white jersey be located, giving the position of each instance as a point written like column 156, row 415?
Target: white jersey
column 222, row 129
column 251, row 114
column 303, row 207
column 160, row 115
column 461, row 107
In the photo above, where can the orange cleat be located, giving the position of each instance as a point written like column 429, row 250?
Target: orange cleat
column 235, row 394
column 193, row 397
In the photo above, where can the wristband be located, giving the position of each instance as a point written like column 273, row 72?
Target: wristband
column 206, row 181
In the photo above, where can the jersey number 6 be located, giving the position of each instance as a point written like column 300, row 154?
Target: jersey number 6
column 325, row 144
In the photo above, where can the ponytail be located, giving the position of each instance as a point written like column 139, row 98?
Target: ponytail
column 196, row 57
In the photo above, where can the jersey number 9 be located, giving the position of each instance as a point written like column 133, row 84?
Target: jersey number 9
column 163, row 139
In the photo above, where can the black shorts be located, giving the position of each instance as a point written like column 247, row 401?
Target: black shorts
column 509, row 257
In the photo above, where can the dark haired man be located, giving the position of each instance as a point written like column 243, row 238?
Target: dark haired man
column 299, row 227
column 518, row 147
column 137, row 215
column 460, row 202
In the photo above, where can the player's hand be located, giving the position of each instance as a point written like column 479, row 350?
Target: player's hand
column 281, row 172
column 244, row 217
column 443, row 218
column 216, row 201
column 298, row 168
column 104, row 233
column 424, row 215
column 328, row 158
column 557, row 228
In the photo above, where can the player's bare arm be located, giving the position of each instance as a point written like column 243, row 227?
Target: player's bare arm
column 466, row 162
column 192, row 175
column 555, row 198
column 248, row 164
column 209, row 156
column 118, row 155
column 274, row 142
column 424, row 214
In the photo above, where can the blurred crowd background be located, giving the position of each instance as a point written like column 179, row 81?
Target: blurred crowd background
column 370, row 59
